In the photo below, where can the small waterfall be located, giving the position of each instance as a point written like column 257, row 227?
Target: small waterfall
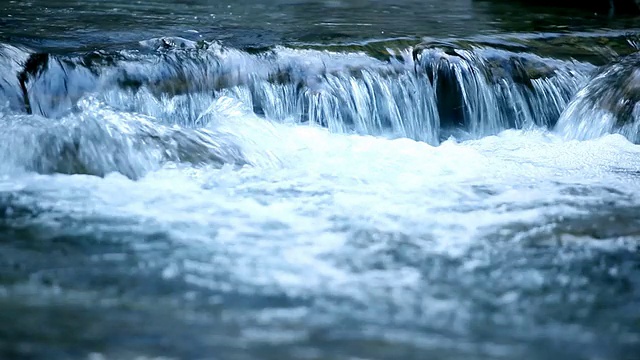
column 609, row 103
column 422, row 93
column 366, row 102
column 486, row 90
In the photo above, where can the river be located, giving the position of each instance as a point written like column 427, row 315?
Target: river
column 336, row 179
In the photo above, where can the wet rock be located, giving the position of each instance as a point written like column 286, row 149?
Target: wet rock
column 519, row 69
column 450, row 48
column 168, row 42
column 609, row 103
column 616, row 88
column 500, row 65
column 598, row 50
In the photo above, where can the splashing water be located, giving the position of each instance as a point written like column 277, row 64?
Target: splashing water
column 190, row 200
column 480, row 91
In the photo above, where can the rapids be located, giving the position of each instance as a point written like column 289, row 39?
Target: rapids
column 444, row 197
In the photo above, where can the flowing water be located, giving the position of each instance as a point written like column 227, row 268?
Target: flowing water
column 318, row 180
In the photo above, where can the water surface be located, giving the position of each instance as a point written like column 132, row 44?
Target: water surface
column 317, row 180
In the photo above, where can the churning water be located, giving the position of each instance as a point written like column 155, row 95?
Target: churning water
column 430, row 199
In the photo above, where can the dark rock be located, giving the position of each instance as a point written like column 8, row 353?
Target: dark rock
column 167, row 42
column 616, row 88
column 608, row 103
column 450, row 48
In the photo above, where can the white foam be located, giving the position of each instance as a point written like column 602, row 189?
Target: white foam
column 282, row 223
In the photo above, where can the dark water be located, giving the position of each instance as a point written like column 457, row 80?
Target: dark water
column 318, row 180
column 72, row 25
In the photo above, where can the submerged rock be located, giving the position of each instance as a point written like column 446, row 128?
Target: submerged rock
column 98, row 141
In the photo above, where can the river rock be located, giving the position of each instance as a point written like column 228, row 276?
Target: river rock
column 609, row 103
column 616, row 89
column 169, row 42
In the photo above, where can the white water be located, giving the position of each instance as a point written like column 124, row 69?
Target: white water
column 483, row 247
column 488, row 90
column 289, row 222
